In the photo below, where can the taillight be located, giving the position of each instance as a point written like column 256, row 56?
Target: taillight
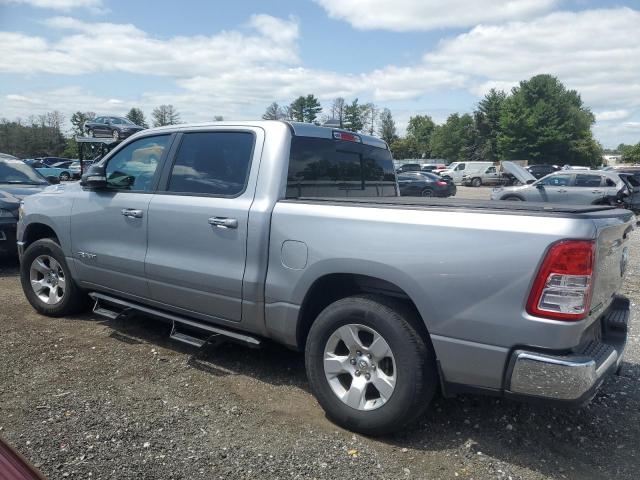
column 562, row 288
column 347, row 137
column 441, row 183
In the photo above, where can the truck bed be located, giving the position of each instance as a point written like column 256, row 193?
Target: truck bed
column 478, row 206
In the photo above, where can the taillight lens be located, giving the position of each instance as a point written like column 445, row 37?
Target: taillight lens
column 562, row 288
column 346, row 137
column 441, row 183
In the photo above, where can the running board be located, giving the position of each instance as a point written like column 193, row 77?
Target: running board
column 113, row 308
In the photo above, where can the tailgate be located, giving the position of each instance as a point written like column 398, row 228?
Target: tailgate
column 612, row 256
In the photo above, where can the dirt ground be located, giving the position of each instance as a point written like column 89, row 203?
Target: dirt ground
column 85, row 398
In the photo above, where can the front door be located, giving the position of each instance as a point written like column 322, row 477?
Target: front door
column 109, row 226
column 552, row 188
column 198, row 224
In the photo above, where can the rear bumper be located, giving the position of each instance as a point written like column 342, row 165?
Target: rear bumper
column 571, row 378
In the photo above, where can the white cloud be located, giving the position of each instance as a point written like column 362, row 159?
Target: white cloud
column 609, row 115
column 596, row 52
column 405, row 15
column 65, row 5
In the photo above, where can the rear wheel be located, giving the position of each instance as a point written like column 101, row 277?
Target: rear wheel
column 90, row 133
column 368, row 364
column 427, row 192
column 46, row 280
column 64, row 176
column 512, row 198
column 476, row 182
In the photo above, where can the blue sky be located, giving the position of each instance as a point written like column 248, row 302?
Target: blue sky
column 233, row 58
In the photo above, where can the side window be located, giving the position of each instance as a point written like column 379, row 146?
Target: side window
column 460, row 167
column 556, row 180
column 588, row 180
column 491, row 170
column 610, row 183
column 212, row 163
column 133, row 168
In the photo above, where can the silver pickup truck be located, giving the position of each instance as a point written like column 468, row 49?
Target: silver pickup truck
column 296, row 234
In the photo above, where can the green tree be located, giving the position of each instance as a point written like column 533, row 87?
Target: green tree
column 387, row 129
column 165, row 115
column 42, row 137
column 296, row 109
column 369, row 118
column 419, row 131
column 312, row 109
column 337, row 110
column 630, row 153
column 137, row 116
column 544, row 122
column 456, row 139
column 403, row 148
column 487, row 121
column 354, row 116
column 78, row 120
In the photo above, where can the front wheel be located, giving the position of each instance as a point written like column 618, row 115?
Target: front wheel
column 46, row 280
column 476, row 182
column 64, row 176
column 116, row 135
column 369, row 365
column 512, row 198
column 90, row 133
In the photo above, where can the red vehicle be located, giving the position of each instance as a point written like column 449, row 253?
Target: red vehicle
column 14, row 466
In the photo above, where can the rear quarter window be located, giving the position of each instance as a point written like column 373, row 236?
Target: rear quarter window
column 322, row 167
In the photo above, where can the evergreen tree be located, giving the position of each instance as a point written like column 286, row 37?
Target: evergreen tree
column 136, row 116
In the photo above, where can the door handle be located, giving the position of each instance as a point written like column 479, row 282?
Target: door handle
column 562, row 191
column 223, row 222
column 132, row 213
column 596, row 191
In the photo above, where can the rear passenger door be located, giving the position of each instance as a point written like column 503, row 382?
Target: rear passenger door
column 587, row 188
column 198, row 222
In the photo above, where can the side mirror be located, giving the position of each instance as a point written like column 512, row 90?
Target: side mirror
column 539, row 186
column 53, row 180
column 529, row 182
column 95, row 178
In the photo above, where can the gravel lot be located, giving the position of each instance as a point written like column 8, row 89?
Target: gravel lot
column 86, row 398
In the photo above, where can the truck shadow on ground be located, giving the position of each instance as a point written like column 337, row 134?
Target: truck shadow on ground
column 557, row 442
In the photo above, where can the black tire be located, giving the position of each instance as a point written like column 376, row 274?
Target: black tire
column 74, row 299
column 417, row 375
column 512, row 198
column 64, row 176
column 90, row 133
column 476, row 182
column 427, row 192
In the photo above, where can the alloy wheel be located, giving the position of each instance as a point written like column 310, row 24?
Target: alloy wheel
column 360, row 367
column 48, row 280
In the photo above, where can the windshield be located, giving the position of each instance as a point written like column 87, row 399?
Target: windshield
column 452, row 166
column 15, row 171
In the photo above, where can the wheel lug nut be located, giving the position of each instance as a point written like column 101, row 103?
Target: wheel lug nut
column 373, row 367
column 352, row 361
column 357, row 373
column 367, row 376
column 369, row 355
column 358, row 353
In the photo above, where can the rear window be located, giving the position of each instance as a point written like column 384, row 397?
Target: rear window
column 323, row 167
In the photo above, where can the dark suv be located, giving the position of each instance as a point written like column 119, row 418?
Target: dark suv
column 115, row 127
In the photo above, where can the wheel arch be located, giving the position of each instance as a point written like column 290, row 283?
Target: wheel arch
column 331, row 287
column 37, row 231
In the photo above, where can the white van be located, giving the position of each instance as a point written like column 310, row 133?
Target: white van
column 456, row 170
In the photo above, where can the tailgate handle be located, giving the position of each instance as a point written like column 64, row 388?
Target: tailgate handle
column 132, row 212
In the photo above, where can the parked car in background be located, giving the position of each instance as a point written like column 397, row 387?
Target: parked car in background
column 540, row 171
column 115, row 127
column 434, row 167
column 63, row 174
column 75, row 170
column 221, row 237
column 409, row 167
column 488, row 176
column 565, row 186
column 424, row 184
column 17, row 180
column 456, row 170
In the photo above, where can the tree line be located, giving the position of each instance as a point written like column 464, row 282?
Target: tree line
column 539, row 120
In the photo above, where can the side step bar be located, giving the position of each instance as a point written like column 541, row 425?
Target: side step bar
column 199, row 333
